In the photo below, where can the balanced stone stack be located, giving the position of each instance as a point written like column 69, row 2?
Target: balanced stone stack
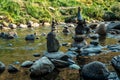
column 80, row 31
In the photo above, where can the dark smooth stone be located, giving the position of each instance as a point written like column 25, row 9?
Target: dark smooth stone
column 47, row 76
column 95, row 71
column 36, row 55
column 52, row 43
column 30, row 37
column 12, row 69
column 60, row 63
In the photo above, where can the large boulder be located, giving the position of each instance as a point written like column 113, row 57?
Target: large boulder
column 95, row 71
column 41, row 67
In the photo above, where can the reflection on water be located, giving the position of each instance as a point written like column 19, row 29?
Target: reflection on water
column 102, row 40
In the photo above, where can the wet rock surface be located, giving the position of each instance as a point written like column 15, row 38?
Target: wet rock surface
column 2, row 67
column 12, row 69
column 52, row 43
column 27, row 64
column 95, row 71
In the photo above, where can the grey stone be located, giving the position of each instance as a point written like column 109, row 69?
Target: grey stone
column 95, row 71
column 113, row 25
column 93, row 47
column 54, row 55
column 12, row 69
column 116, row 64
column 27, row 64
column 30, row 37
column 36, row 55
column 9, row 35
column 2, row 67
column 52, row 43
column 42, row 66
column 101, row 30
column 114, row 47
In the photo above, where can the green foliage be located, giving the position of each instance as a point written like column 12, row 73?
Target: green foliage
column 33, row 11
column 116, row 10
column 109, row 16
column 22, row 10
column 93, row 12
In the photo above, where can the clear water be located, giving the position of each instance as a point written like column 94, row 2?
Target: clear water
column 18, row 50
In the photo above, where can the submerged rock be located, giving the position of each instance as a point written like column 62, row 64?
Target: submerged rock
column 9, row 35
column 114, row 47
column 95, row 71
column 36, row 55
column 12, row 69
column 2, row 67
column 30, row 37
column 16, row 62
